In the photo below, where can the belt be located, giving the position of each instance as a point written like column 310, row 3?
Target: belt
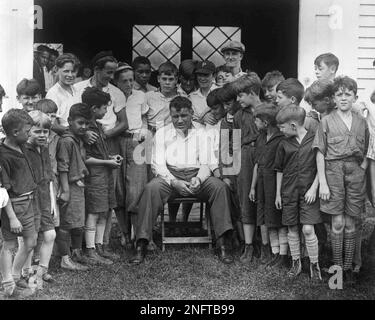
column 22, row 198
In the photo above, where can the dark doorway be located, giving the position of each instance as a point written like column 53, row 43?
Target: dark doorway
column 269, row 28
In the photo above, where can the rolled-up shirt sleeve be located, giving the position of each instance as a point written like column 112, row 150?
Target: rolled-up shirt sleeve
column 159, row 160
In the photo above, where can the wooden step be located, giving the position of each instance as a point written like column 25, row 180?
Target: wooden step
column 176, row 240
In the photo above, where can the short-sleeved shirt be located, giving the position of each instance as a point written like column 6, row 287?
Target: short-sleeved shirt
column 99, row 149
column 64, row 100
column 265, row 150
column 71, row 156
column 297, row 162
column 158, row 114
column 244, row 120
column 17, row 175
column 148, row 88
column 53, row 139
column 335, row 141
column 118, row 102
column 135, row 108
column 199, row 103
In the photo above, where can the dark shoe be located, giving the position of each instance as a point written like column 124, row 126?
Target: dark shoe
column 104, row 251
column 23, row 282
column 225, row 256
column 95, row 258
column 140, row 254
column 265, row 254
column 315, row 273
column 247, row 255
column 296, row 268
column 79, row 258
column 275, row 258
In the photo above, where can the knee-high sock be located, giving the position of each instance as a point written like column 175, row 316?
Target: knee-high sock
column 274, row 239
column 294, row 244
column 337, row 241
column 311, row 241
column 349, row 246
column 283, row 240
column 90, row 230
column 100, row 228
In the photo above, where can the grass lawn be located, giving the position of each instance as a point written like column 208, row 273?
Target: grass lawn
column 196, row 273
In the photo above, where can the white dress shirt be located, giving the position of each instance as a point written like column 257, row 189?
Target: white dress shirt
column 135, row 108
column 117, row 103
column 171, row 147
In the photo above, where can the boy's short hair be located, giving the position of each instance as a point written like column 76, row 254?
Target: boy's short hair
column 140, row 60
column 223, row 68
column 66, row 58
column 344, row 82
column 272, row 78
column 329, row 60
column 187, row 68
column 46, row 106
column 212, row 98
column 179, row 103
column 100, row 59
column 168, row 68
column 28, row 87
column 227, row 93
column 291, row 87
column 14, row 119
column 93, row 96
column 40, row 119
column 249, row 83
column 319, row 90
column 79, row 110
column 267, row 112
column 291, row 113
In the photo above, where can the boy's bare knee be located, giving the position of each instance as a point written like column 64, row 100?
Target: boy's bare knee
column 29, row 242
column 49, row 236
column 308, row 229
column 338, row 223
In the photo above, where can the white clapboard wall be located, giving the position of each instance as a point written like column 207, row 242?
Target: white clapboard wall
column 366, row 49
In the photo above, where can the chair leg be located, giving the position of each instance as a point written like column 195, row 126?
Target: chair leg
column 208, row 225
column 162, row 231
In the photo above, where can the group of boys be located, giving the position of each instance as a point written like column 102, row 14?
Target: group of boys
column 295, row 168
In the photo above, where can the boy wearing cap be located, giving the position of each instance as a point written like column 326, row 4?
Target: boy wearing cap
column 142, row 74
column 205, row 73
column 233, row 53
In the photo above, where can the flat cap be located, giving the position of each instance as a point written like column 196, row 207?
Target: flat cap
column 233, row 45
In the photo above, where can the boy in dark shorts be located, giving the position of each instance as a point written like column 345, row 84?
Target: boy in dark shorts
column 263, row 187
column 37, row 152
column 99, row 193
column 71, row 156
column 247, row 88
column 341, row 142
column 297, row 185
column 18, row 178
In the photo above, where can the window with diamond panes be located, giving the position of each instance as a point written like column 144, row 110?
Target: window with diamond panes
column 207, row 42
column 158, row 43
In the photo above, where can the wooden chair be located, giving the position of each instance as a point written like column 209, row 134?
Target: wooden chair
column 173, row 225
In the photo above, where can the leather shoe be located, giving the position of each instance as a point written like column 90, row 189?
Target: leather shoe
column 140, row 254
column 225, row 256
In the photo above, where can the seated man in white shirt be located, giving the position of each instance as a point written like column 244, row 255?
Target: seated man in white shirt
column 183, row 161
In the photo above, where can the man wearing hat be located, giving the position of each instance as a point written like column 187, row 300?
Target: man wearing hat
column 233, row 53
column 205, row 74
